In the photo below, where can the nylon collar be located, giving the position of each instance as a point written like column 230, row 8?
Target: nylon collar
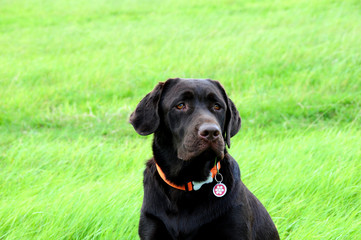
column 190, row 186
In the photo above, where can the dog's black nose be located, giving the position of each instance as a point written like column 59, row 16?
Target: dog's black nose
column 209, row 131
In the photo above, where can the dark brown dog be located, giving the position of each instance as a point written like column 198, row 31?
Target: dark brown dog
column 192, row 121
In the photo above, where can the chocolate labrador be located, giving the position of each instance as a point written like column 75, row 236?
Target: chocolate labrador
column 192, row 186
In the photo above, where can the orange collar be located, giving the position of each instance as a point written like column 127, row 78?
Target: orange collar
column 189, row 186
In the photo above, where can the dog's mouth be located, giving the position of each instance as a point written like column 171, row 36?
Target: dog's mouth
column 195, row 148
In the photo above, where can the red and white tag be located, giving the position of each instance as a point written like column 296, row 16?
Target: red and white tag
column 219, row 190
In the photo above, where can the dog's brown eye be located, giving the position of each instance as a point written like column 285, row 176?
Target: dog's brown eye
column 181, row 106
column 216, row 107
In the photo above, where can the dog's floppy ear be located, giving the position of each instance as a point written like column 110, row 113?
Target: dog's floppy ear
column 233, row 123
column 233, row 120
column 145, row 119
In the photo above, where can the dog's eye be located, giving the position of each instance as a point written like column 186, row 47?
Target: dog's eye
column 216, row 107
column 180, row 106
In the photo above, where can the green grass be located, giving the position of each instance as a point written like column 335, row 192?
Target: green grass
column 71, row 72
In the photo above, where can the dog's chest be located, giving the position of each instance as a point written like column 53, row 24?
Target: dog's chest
column 190, row 213
column 184, row 213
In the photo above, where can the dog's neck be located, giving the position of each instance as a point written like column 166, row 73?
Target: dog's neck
column 180, row 171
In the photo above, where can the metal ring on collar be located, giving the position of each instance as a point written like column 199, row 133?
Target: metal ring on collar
column 215, row 177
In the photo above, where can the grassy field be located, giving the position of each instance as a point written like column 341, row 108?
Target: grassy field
column 71, row 72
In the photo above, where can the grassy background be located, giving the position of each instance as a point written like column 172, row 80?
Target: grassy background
column 71, row 72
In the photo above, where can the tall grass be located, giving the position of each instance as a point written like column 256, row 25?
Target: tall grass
column 71, row 72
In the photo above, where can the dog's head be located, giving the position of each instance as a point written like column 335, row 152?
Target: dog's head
column 197, row 113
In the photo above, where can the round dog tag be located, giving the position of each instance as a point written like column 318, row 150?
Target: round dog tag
column 219, row 190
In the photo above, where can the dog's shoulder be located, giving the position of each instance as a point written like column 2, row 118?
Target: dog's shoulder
column 150, row 166
column 233, row 166
column 149, row 173
column 153, row 191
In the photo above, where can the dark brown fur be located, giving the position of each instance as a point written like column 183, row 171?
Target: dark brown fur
column 192, row 121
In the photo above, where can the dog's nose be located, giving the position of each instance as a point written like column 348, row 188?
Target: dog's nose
column 209, row 131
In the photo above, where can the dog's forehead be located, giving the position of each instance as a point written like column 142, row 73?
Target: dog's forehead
column 198, row 87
